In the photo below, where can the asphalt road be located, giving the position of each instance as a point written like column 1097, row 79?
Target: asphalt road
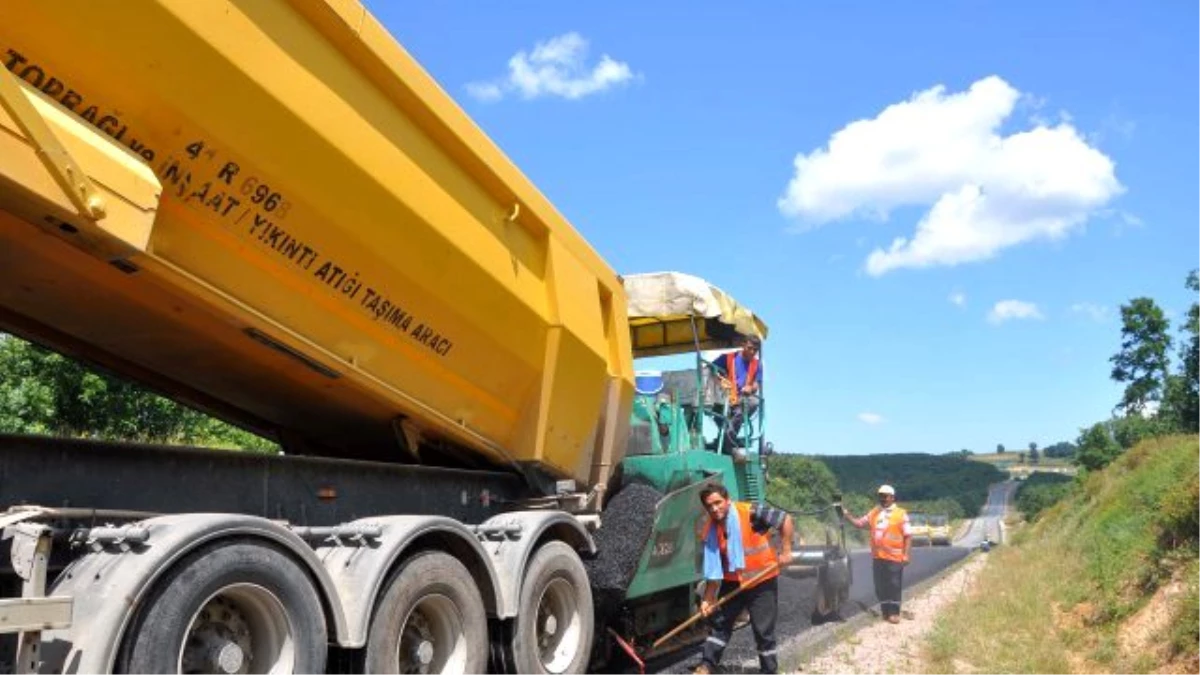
column 988, row 522
column 797, row 597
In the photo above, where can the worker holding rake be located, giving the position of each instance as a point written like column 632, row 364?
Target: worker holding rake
column 740, row 561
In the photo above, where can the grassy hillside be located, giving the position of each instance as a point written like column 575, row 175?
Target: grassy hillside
column 1104, row 581
column 918, row 478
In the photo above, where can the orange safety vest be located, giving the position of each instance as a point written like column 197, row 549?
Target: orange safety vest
column 888, row 543
column 756, row 548
column 731, row 369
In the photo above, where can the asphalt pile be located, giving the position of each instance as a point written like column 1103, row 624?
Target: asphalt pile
column 626, row 525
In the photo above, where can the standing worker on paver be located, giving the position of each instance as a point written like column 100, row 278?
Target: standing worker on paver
column 737, row 551
column 742, row 376
column 891, row 540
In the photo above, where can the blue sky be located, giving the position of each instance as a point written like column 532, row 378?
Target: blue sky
column 1050, row 179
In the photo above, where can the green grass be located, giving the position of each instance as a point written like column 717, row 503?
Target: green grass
column 1057, row 598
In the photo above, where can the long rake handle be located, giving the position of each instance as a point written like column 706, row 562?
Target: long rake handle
column 716, row 605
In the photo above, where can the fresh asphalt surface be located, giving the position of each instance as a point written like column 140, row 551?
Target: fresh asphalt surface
column 797, row 597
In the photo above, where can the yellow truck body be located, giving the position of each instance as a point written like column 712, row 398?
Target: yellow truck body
column 303, row 233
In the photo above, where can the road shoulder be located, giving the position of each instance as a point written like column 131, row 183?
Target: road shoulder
column 865, row 644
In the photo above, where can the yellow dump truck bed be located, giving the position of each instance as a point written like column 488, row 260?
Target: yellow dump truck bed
column 336, row 247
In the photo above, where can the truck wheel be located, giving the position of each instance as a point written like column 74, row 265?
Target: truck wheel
column 430, row 619
column 237, row 607
column 554, row 620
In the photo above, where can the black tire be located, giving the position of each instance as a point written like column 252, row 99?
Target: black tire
column 829, row 598
column 223, row 589
column 555, row 585
column 430, row 600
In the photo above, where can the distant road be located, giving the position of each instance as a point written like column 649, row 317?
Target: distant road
column 987, row 524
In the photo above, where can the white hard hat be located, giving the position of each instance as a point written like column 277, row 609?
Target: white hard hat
column 887, row 490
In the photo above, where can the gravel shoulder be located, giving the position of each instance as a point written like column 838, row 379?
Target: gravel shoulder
column 870, row 645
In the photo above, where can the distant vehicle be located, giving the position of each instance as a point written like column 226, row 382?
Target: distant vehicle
column 919, row 524
column 939, row 530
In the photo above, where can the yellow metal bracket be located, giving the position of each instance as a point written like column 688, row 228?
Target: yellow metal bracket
column 65, row 170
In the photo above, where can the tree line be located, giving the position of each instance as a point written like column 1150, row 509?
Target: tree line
column 1040, row 491
column 1159, row 398
column 45, row 393
column 946, row 484
column 1160, row 373
column 1161, row 392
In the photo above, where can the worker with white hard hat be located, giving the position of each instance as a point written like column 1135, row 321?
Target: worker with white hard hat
column 891, row 541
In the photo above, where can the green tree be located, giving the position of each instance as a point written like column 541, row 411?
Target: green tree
column 1021, row 458
column 999, row 448
column 42, row 392
column 1040, row 491
column 1095, row 447
column 1172, row 412
column 800, row 483
column 1130, row 430
column 917, row 477
column 1181, row 404
column 26, row 401
column 1060, row 449
column 1143, row 360
column 1034, row 457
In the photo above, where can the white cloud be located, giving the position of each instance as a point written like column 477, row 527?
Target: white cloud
column 1093, row 311
column 556, row 67
column 485, row 91
column 1132, row 220
column 870, row 418
column 1006, row 310
column 984, row 191
column 958, row 298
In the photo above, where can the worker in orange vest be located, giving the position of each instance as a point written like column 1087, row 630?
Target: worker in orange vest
column 891, row 541
column 742, row 374
column 737, row 548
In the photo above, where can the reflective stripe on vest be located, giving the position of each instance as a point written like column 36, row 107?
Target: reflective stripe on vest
column 888, row 544
column 756, row 548
column 731, row 368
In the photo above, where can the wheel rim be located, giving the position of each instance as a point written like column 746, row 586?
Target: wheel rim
column 559, row 626
column 432, row 637
column 242, row 628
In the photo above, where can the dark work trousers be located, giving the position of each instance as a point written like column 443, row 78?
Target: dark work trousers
column 889, row 578
column 737, row 415
column 763, row 602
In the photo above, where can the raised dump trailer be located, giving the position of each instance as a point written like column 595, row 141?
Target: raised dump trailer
column 267, row 210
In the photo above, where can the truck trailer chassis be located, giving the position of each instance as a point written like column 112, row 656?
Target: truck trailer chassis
column 88, row 566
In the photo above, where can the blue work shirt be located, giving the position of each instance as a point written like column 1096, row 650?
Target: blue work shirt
column 741, row 366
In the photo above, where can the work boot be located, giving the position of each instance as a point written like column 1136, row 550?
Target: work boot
column 895, row 618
